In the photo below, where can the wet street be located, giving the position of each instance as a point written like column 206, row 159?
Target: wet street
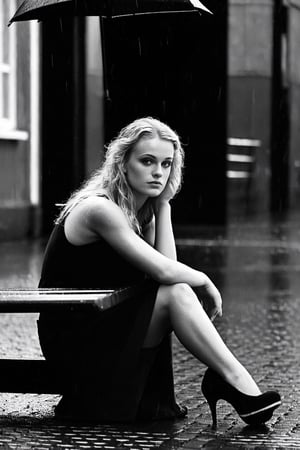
column 256, row 266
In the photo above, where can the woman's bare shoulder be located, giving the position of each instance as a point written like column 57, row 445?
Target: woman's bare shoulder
column 92, row 217
column 101, row 211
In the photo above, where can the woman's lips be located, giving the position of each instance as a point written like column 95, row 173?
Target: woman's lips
column 155, row 183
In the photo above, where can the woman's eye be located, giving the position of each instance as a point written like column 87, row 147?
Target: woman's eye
column 146, row 162
column 167, row 164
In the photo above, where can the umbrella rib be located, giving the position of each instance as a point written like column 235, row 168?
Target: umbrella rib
column 152, row 13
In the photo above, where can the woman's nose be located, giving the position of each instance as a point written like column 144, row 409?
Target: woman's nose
column 157, row 171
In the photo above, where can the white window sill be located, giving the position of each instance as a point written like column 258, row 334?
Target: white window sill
column 14, row 135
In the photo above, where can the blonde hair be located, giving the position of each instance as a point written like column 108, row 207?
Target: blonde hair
column 111, row 177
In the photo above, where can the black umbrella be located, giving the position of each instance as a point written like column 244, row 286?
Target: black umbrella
column 43, row 9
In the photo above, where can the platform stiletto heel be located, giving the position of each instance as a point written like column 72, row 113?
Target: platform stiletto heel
column 252, row 409
column 213, row 409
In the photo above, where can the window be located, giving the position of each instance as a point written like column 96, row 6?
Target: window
column 7, row 66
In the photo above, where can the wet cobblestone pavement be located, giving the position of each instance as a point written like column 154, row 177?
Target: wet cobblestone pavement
column 257, row 269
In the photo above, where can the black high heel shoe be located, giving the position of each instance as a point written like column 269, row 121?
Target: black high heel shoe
column 252, row 409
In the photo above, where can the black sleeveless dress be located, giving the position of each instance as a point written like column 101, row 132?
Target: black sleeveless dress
column 113, row 377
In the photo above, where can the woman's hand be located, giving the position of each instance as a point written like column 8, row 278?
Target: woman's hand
column 210, row 297
column 167, row 194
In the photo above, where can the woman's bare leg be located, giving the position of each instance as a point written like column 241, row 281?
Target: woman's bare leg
column 177, row 307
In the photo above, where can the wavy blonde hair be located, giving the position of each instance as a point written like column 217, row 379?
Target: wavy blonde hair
column 111, row 177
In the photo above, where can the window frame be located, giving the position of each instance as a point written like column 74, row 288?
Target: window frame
column 10, row 122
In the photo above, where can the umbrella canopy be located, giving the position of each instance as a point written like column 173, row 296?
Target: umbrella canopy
column 43, row 9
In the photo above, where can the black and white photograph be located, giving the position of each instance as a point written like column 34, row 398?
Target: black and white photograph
column 149, row 224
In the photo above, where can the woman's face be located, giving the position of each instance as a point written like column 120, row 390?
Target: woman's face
column 149, row 166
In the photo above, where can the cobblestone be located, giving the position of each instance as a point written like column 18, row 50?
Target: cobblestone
column 257, row 271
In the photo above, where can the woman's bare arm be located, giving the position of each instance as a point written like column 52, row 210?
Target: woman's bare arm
column 101, row 217
column 105, row 218
column 164, row 236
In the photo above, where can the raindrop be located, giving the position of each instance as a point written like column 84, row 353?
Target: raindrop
column 140, row 46
column 220, row 93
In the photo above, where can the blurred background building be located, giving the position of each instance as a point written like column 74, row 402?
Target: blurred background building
column 228, row 83
column 19, row 125
column 263, row 106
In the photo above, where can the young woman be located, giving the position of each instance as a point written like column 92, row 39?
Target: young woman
column 115, row 232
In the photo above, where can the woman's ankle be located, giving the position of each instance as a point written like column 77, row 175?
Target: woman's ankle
column 243, row 381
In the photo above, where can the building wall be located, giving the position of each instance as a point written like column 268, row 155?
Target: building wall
column 15, row 208
column 255, row 87
column 19, row 137
column 294, row 98
column 249, row 104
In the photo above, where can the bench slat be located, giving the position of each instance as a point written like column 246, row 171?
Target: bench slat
column 41, row 376
column 39, row 300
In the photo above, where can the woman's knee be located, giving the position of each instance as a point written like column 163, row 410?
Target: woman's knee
column 169, row 295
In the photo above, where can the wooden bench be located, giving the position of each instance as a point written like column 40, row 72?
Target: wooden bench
column 38, row 375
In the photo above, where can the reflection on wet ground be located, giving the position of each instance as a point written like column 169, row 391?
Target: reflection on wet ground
column 257, row 268
column 20, row 263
